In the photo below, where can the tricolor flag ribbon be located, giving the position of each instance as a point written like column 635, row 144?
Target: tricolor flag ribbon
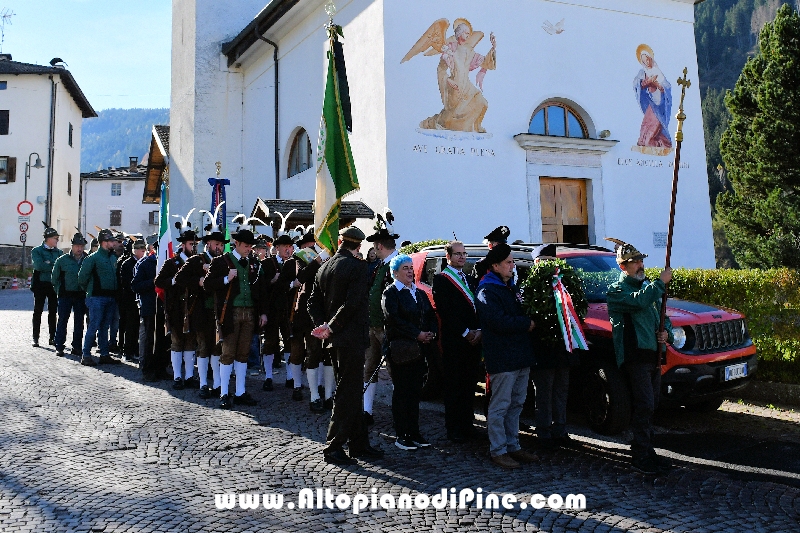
column 567, row 317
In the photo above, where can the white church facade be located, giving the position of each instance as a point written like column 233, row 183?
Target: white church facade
column 556, row 119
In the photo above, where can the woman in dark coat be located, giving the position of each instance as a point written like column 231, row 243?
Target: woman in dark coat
column 410, row 321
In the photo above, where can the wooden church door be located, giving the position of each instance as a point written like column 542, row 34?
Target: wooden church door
column 564, row 214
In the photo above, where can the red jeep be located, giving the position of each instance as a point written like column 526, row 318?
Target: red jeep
column 713, row 354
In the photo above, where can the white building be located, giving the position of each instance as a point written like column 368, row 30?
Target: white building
column 564, row 130
column 41, row 112
column 112, row 198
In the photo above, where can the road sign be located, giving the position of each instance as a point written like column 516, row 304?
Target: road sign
column 23, row 219
column 24, row 208
column 23, row 237
column 23, row 227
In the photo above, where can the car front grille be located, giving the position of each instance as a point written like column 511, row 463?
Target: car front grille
column 720, row 335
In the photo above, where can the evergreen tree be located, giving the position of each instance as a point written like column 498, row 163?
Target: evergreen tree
column 761, row 215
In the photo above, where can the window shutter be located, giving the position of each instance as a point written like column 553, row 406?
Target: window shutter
column 12, row 169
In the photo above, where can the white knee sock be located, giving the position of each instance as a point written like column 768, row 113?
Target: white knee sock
column 177, row 361
column 225, row 372
column 330, row 381
column 297, row 372
column 369, row 396
column 268, row 365
column 202, row 371
column 320, row 376
column 313, row 377
column 215, row 369
column 188, row 365
column 241, row 373
column 288, row 367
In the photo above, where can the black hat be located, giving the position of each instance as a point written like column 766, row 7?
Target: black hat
column 244, row 236
column 215, row 236
column 183, row 225
column 283, row 239
column 49, row 232
column 352, row 234
column 262, row 241
column 499, row 234
column 546, row 250
column 139, row 244
column 188, row 235
column 383, row 227
column 307, row 238
column 105, row 235
column 498, row 254
column 78, row 238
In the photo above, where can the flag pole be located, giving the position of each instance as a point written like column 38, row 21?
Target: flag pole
column 681, row 116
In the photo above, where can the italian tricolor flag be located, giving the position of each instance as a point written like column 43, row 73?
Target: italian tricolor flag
column 165, row 250
column 336, row 171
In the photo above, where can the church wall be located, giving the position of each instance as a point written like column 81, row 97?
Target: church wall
column 471, row 183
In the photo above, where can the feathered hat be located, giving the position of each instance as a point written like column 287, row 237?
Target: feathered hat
column 49, row 232
column 184, row 228
column 383, row 227
column 626, row 252
column 213, row 230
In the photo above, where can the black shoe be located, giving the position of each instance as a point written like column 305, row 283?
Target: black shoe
column 150, row 378
column 328, row 404
column 546, row 444
column 645, row 465
column 419, row 440
column 368, row 452
column 405, row 444
column 205, row 392
column 59, row 353
column 192, row 382
column 565, row 441
column 663, row 464
column 289, row 383
column 456, row 437
column 338, row 457
column 215, row 393
column 368, row 419
column 267, row 386
column 316, row 406
column 77, row 351
column 225, row 401
column 321, row 391
column 245, row 399
column 35, row 343
column 107, row 360
column 52, row 341
column 88, row 361
column 297, row 395
column 178, row 384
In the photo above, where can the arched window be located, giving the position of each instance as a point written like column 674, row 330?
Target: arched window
column 299, row 154
column 558, row 120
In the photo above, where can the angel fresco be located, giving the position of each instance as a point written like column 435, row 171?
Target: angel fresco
column 654, row 94
column 464, row 103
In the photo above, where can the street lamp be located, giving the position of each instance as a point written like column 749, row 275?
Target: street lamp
column 37, row 164
column 28, row 165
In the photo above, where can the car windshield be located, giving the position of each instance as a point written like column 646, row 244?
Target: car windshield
column 597, row 272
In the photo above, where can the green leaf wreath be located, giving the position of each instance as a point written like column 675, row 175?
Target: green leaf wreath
column 540, row 303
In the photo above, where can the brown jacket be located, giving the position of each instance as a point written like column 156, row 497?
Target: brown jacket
column 174, row 296
column 224, row 294
column 188, row 278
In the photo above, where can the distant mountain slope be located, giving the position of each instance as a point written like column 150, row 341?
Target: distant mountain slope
column 116, row 134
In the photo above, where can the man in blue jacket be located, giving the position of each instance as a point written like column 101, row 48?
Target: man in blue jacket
column 508, row 355
column 143, row 284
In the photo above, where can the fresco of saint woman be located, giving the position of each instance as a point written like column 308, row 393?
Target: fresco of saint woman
column 463, row 101
column 654, row 95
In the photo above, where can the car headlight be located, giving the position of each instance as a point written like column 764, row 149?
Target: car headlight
column 679, row 335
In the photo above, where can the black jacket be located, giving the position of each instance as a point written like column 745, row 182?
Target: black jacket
column 300, row 319
column 124, row 278
column 506, row 341
column 406, row 318
column 456, row 314
column 143, row 285
column 340, row 297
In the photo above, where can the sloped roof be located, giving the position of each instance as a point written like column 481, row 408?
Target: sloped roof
column 116, row 173
column 16, row 68
column 156, row 163
column 252, row 33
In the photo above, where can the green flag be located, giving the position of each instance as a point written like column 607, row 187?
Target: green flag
column 336, row 171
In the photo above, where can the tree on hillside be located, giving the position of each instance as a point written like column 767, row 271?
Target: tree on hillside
column 761, row 215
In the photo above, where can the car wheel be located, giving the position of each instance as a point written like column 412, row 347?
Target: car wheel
column 607, row 400
column 706, row 406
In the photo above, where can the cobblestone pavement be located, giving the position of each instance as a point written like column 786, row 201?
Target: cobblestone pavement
column 95, row 449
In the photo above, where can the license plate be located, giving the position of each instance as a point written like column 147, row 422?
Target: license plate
column 735, row 371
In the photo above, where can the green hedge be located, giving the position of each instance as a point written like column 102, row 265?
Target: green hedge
column 769, row 298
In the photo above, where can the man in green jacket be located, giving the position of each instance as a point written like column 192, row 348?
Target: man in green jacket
column 44, row 257
column 634, row 305
column 98, row 278
column 71, row 299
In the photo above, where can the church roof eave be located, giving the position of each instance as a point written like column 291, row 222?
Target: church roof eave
column 266, row 19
